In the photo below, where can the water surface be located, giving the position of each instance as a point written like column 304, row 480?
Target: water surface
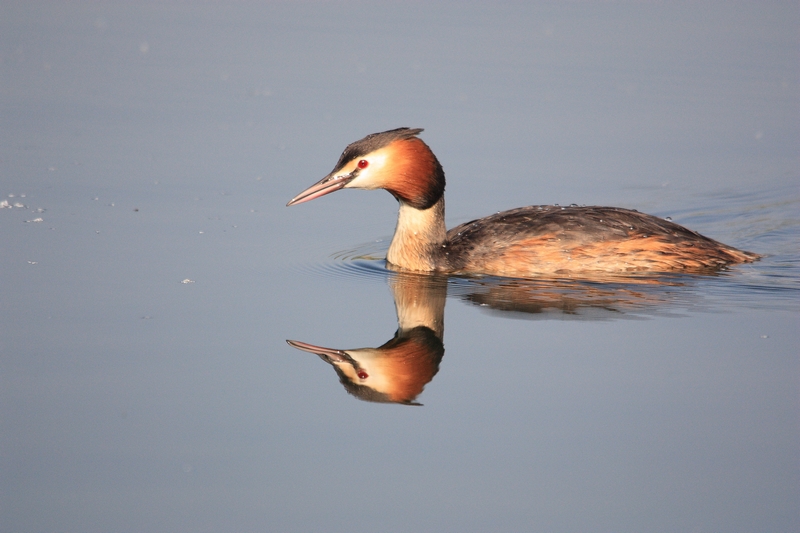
column 151, row 273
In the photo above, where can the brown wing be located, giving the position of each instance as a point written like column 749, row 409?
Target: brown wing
column 559, row 240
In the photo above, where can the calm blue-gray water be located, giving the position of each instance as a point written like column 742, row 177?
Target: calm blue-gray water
column 151, row 273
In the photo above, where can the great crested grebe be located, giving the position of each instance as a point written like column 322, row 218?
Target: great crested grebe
column 523, row 242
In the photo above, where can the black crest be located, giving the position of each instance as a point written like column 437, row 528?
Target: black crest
column 374, row 141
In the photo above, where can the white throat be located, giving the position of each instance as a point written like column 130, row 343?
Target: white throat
column 418, row 232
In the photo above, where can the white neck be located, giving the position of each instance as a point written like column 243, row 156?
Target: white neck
column 419, row 234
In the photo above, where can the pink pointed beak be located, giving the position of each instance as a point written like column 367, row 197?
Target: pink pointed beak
column 326, row 185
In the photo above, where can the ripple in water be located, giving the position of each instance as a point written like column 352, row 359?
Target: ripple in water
column 365, row 261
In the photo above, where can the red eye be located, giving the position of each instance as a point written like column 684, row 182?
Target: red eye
column 361, row 373
column 363, row 163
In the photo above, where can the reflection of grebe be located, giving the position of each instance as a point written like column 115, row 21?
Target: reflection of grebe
column 527, row 241
column 397, row 371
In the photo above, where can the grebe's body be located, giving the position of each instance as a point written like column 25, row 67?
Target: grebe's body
column 523, row 242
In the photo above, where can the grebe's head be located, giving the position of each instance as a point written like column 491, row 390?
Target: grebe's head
column 395, row 160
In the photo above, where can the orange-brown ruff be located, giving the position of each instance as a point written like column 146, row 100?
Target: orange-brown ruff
column 523, row 242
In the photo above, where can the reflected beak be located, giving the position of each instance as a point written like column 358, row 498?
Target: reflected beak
column 326, row 185
column 329, row 355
